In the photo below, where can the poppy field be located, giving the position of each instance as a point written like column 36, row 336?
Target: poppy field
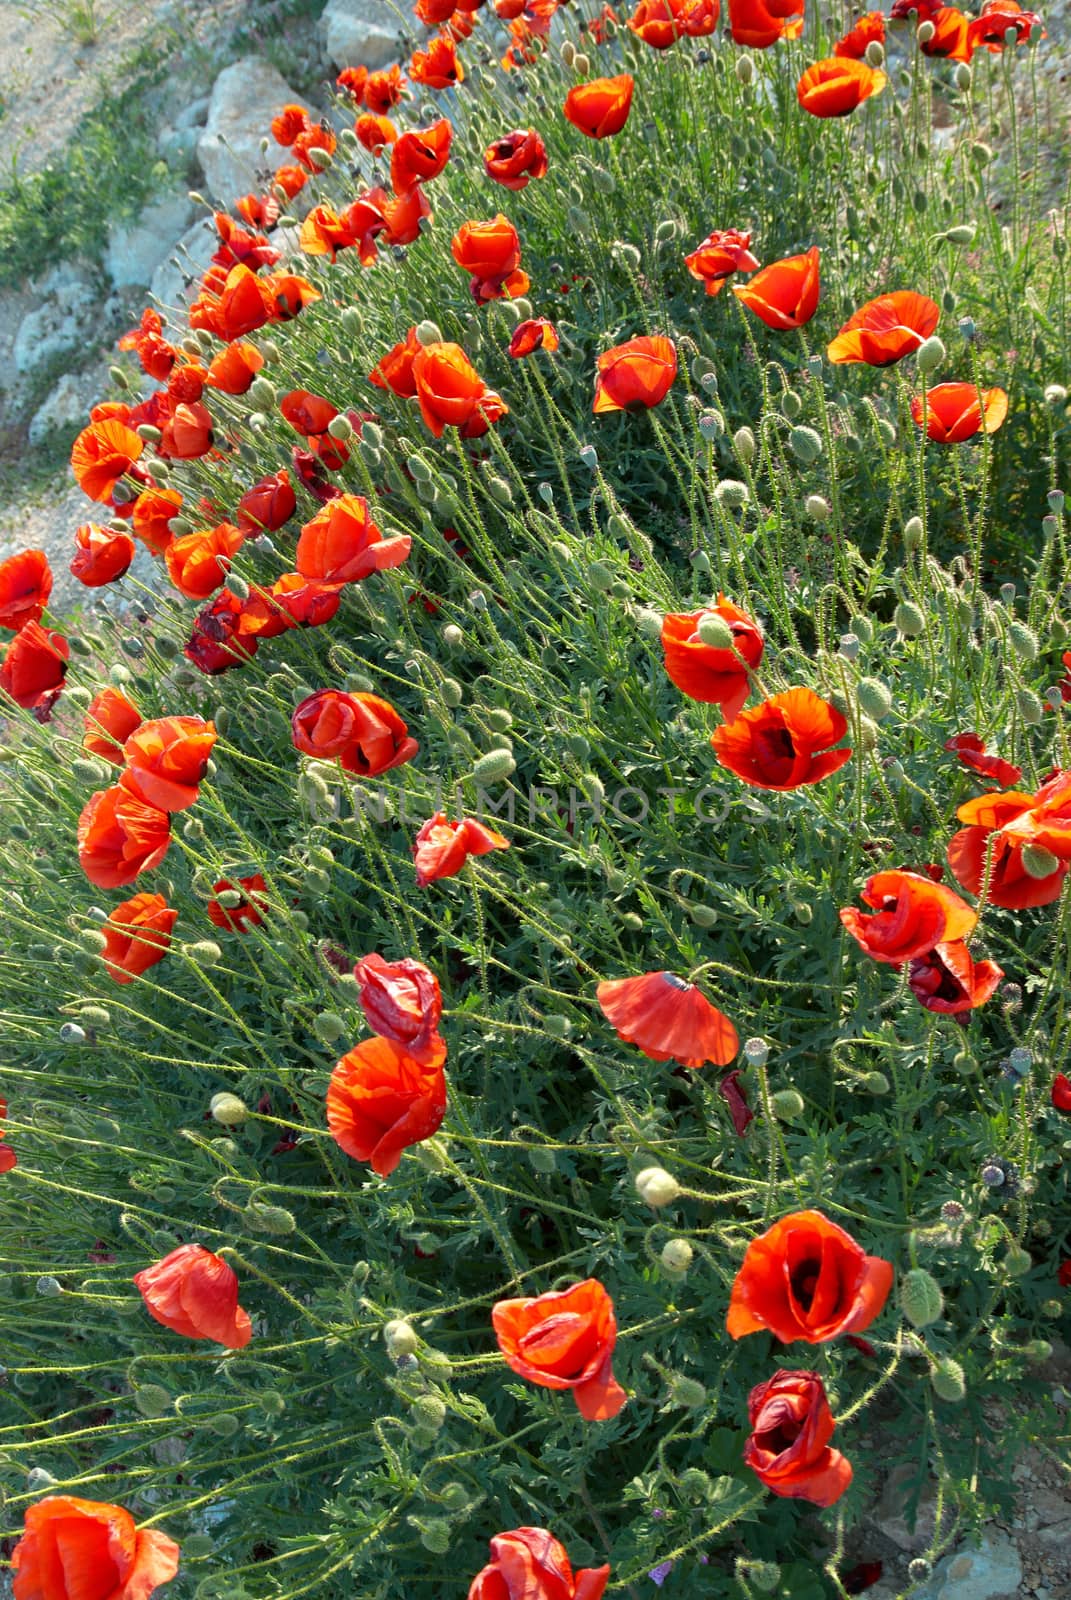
column 536, row 962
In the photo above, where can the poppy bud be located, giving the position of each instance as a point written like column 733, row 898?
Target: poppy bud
column 329, row 1027
column 435, row 1536
column 205, row 953
column 500, row 491
column 948, row 1380
column 981, row 154
column 745, row 70
column 676, row 1257
column 788, row 1105
column 146, row 431
column 875, row 1083
column 451, row 692
column 703, row 916
column 428, row 333
column 581, row 63
column 1055, row 395
column 542, row 1160
column 227, row 1109
column 1030, row 707
column 428, row 1412
column 791, row 404
column 494, row 767
column 1017, row 1261
column 400, row 1339
column 925, row 32
column 921, row 1299
column 152, row 1400
column 874, row 55
column 711, row 425
column 873, row 698
column 656, row 1187
column 909, row 619
column 270, row 1219
column 71, row 1033
column 95, row 1016
column 743, row 439
column 1024, row 641
column 731, row 493
column 805, row 444
column 453, row 636
column 930, row 354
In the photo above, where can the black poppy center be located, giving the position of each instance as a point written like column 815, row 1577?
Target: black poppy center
column 805, row 1282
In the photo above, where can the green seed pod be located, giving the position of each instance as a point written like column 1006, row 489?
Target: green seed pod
column 226, row 1109
column 948, row 1380
column 930, row 354
column 1017, row 1261
column 1024, row 641
column 874, row 698
column 352, row 321
column 875, row 54
column 656, row 1187
column 805, row 444
column 400, row 1339
column 49, row 1286
column 745, row 71
column 788, row 1105
column 225, row 1424
column 909, row 619
column 329, row 1027
column 743, row 439
column 731, row 493
column 152, row 1400
column 921, row 1299
column 676, row 1257
column 711, row 425
column 581, row 64
column 494, row 767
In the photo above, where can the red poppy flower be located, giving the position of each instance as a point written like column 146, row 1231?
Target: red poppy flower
column 120, row 836
column 806, row 1279
column 870, row 29
column 307, row 413
column 949, row 981
column 403, row 215
column 709, row 673
column 533, row 334
column 420, row 155
column 267, row 505
column 836, row 86
column 248, row 913
column 1047, row 824
column 1008, row 883
column 601, row 106
column 305, row 146
column 195, row 1293
column 137, row 935
column 362, row 732
column 198, row 562
column 234, row 369
column 34, row 666
column 784, row 294
column 913, row 914
column 636, row 375
column 886, row 329
column 490, row 252
column 75, row 1549
column 381, row 1101
column 1060, row 1093
column 1063, row 1276
column 343, row 545
column 8, row 1158
column 25, row 585
column 401, row 1001
column 109, row 721
column 659, row 23
column 383, row 89
column 721, row 253
column 437, row 67
column 215, row 645
column 530, row 1564
column 186, row 383
column 243, row 244
column 516, row 158
column 789, row 1450
column 998, row 17
column 395, row 370
column 951, row 39
column 784, row 742
column 187, row 434
column 373, row 132
column 259, row 210
column 760, row 23
column 288, row 123
column 166, row 760
column 951, row 412
column 564, row 1340
column 352, row 80
column 101, row 555
column 971, row 751
column 441, row 848
column 291, row 602
column 101, row 455
column 433, row 12
column 668, row 1019
column 151, row 517
column 451, row 392
column 290, row 179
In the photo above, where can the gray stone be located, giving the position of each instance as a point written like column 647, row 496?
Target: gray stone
column 194, row 114
column 178, row 148
column 361, row 33
column 54, row 329
column 67, row 405
column 991, row 1570
column 136, row 249
column 890, row 1513
column 245, row 98
column 176, row 279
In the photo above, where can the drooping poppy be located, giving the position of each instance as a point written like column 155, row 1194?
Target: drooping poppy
column 362, row 732
column 267, row 505
column 784, row 742
column 187, row 382
column 870, row 29
column 249, row 911
column 137, row 935
column 710, row 673
column 636, row 375
column 403, row 214
column 971, row 751
column 291, row 602
column 34, row 666
column 215, row 645
column 948, row 980
column 151, row 516
column 120, row 836
column 198, row 562
column 951, row 412
column 373, row 132
column 75, row 1549
column 516, row 158
column 101, row 455
column 166, row 760
column 951, row 39
column 788, row 1448
column 451, row 393
column 352, row 81
column 912, row 915
column 600, row 107
column 442, row 847
column 305, row 147
column 420, row 155
column 437, row 67
column 110, row 719
column 530, row 1564
column 806, row 1279
column 564, row 1340
column 394, row 371
column 886, row 329
column 1007, row 881
column 668, row 1019
column 381, row 1101
column 721, row 253
column 490, row 252
column 25, row 585
column 101, row 555
column 535, row 333
column 784, row 294
column 195, row 1293
column 837, row 86
column 342, row 544
column 401, row 1001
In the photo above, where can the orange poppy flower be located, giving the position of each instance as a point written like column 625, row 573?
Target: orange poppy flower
column 784, row 742
column 290, row 179
column 806, row 1279
column 352, row 80
column 970, row 750
column 722, row 253
column 451, row 393
column 101, row 555
column 187, row 434
column 564, row 1340
column 198, row 562
column 490, row 252
column 668, row 1019
column 137, row 935
column 151, row 516
column 535, row 333
column 195, row 1293
column 870, row 29
column 267, row 505
column 89, row 1550
column 248, row 913
column 951, row 412
column 403, row 215
column 383, row 89
column 1009, row 883
column 1047, row 824
column 420, row 155
column 288, row 123
column 101, row 455
column 259, row 210
column 836, row 86
column 234, row 369
column 516, row 158
column 886, row 329
column 636, row 375
column 401, row 1001
column 381, row 1101
column 325, row 233
column 109, row 721
column 287, row 294
column 34, row 667
column 8, row 1158
column 600, row 107
column 433, row 12
column 362, row 732
column 166, row 759
column 788, row 1448
column 25, row 585
column 706, row 672
column 530, row 1564
column 948, row 980
column 784, row 294
column 441, row 847
column 120, row 836
column 761, row 23
column 374, row 132
column 155, row 354
column 187, row 382
column 395, row 370
column 951, row 40
column 913, row 914
column 318, row 137
column 307, row 413
column 657, row 23
column 343, row 545
column 989, row 30
column 437, row 67
column 291, row 602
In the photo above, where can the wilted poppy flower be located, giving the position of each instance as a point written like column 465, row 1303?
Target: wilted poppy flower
column 441, row 847
column 100, row 456
column 420, row 155
column 912, row 915
column 490, row 252
column 137, row 935
column 452, row 394
column 34, row 666
column 999, row 17
column 195, row 1293
column 870, row 29
column 761, row 23
column 401, row 1001
column 8, row 1158
column 25, row 585
column 601, row 106
column 951, row 412
column 1008, row 883
column 291, row 602
column 343, row 545
column 166, row 760
column 381, row 1100
column 109, row 721
column 948, row 980
column 383, row 89
column 215, row 645
column 530, row 1564
column 784, row 742
column 151, row 516
column 972, row 753
column 198, row 562
column 89, row 1550
column 784, row 294
column 721, row 253
column 120, row 836
column 1060, row 1094
column 836, row 86
column 668, row 1019
column 951, row 38
column 395, row 370
column 374, row 132
column 886, row 329
column 636, row 375
column 268, row 504
column 234, row 369
column 789, row 1450
column 516, row 158
column 564, row 1340
column 806, row 1279
column 101, row 555
column 248, row 913
column 362, row 732
column 709, row 673
column 535, row 333
column 437, row 67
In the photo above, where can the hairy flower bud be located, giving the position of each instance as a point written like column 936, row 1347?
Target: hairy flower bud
column 226, row 1108
column 656, row 1187
column 874, row 698
column 930, row 354
column 400, row 1339
column 909, row 619
column 676, row 1257
column 920, row 1297
column 948, row 1380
